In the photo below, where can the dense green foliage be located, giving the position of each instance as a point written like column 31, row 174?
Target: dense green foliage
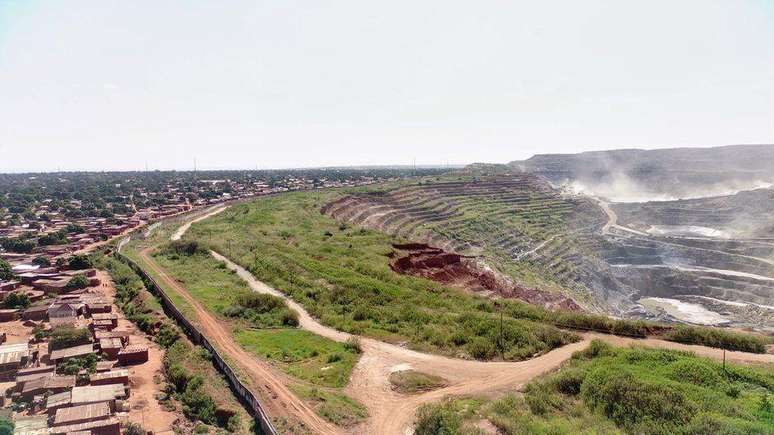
column 63, row 337
column 41, row 261
column 6, row 271
column 134, row 300
column 18, row 245
column 718, row 338
column 641, row 391
column 6, row 427
column 73, row 366
column 16, row 300
column 80, row 262
column 345, row 281
column 77, row 282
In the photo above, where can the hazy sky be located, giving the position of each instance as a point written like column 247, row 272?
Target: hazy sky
column 108, row 84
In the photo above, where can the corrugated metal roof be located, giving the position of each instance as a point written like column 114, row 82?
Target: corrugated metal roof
column 70, row 352
column 97, row 393
column 91, row 411
column 133, row 348
column 109, row 375
column 14, row 353
column 59, row 399
column 48, row 383
column 35, row 425
column 110, row 343
column 82, row 427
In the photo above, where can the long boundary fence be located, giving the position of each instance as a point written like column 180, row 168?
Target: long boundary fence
column 240, row 390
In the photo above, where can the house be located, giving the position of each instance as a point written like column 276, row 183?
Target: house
column 39, row 386
column 110, row 347
column 98, row 393
column 82, row 414
column 28, row 374
column 108, row 317
column 37, row 313
column 60, row 355
column 32, row 425
column 105, row 366
column 112, row 377
column 109, row 426
column 6, row 286
column 123, row 335
column 58, row 400
column 133, row 354
column 12, row 357
column 64, row 310
column 8, row 315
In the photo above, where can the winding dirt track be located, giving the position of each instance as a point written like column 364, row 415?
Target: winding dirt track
column 392, row 413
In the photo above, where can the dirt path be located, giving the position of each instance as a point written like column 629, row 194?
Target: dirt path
column 212, row 211
column 144, row 408
column 393, row 413
column 283, row 401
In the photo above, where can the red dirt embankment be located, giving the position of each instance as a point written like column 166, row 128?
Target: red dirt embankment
column 459, row 271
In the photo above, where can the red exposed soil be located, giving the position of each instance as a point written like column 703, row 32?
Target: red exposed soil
column 460, row 271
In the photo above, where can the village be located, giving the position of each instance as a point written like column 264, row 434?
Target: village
column 69, row 361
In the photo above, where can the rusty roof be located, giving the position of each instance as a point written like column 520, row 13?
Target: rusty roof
column 83, row 427
column 50, row 382
column 110, row 343
column 109, row 375
column 92, row 411
column 70, row 352
column 97, row 393
column 59, row 399
column 133, row 348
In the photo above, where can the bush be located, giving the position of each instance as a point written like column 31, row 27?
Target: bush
column 74, row 365
column 80, row 262
column 630, row 401
column 6, row 271
column 715, row 337
column 132, row 428
column 437, row 419
column 569, row 381
column 6, row 427
column 185, row 247
column 353, row 345
column 167, row 335
column 16, row 300
column 63, row 337
column 41, row 261
column 481, row 348
column 77, row 282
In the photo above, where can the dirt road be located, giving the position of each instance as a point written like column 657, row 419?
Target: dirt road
column 391, row 412
column 274, row 385
column 212, row 211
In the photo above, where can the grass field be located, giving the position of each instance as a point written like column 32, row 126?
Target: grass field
column 612, row 390
column 260, row 325
column 341, row 276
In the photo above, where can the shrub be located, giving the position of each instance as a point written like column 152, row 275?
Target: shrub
column 185, row 247
column 74, row 365
column 63, row 337
column 167, row 336
column 630, row 401
column 132, row 428
column 41, row 261
column 80, row 262
column 6, row 271
column 16, row 300
column 715, row 337
column 437, row 419
column 568, row 381
column 481, row 348
column 6, row 427
column 78, row 282
column 353, row 345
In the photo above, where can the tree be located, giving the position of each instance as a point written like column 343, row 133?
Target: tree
column 6, row 271
column 6, row 427
column 41, row 261
column 16, row 300
column 77, row 282
column 79, row 262
column 132, row 428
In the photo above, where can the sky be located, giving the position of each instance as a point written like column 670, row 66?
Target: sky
column 125, row 85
